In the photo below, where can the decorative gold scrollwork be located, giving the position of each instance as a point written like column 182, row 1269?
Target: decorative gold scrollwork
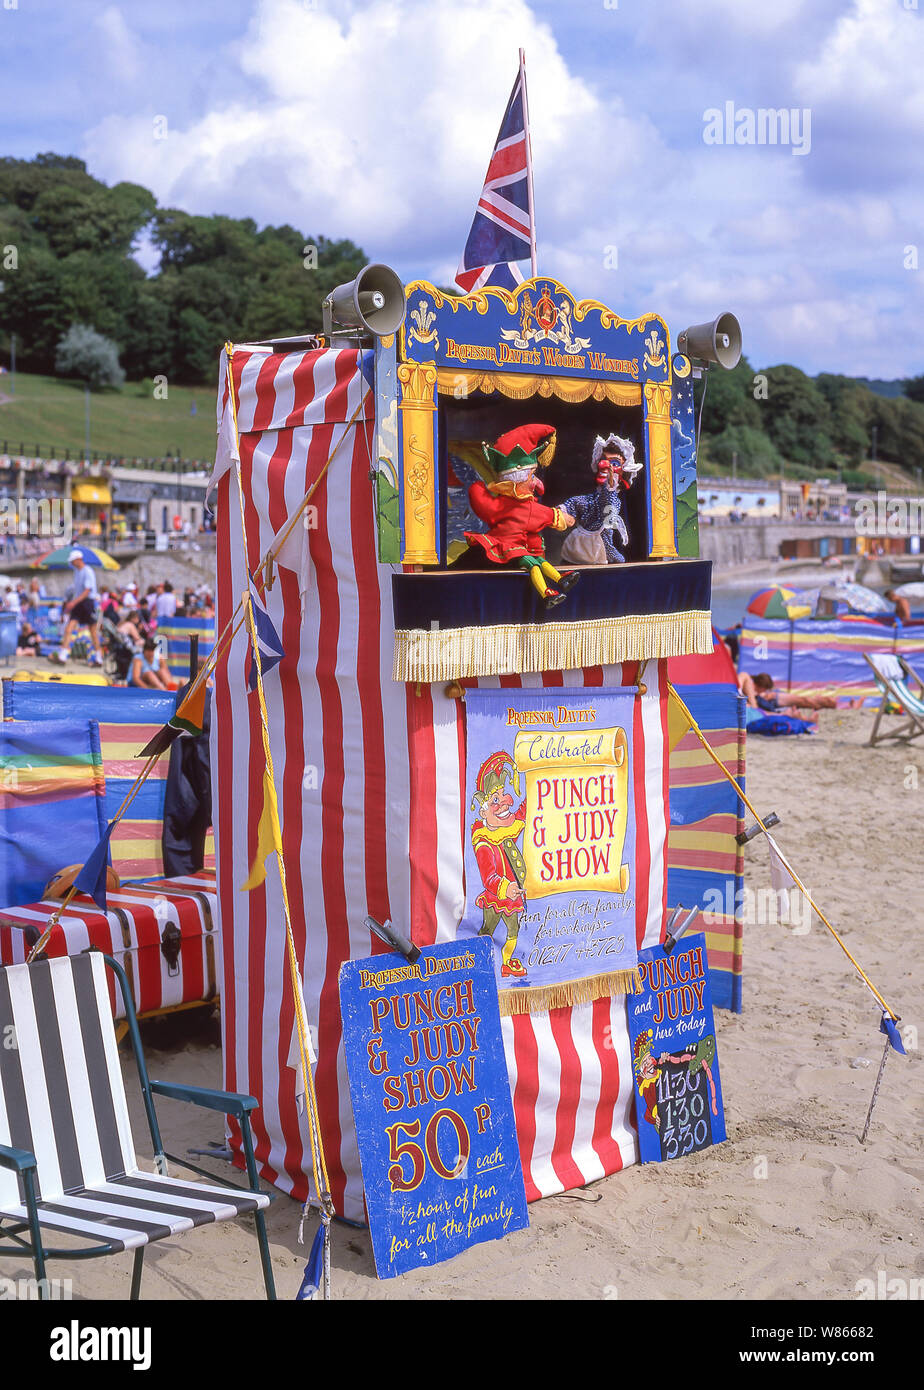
column 418, row 405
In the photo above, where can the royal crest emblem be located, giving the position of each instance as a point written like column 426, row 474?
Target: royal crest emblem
column 545, row 321
column 546, row 313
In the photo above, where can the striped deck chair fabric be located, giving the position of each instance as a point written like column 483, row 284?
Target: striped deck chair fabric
column 62, row 1099
column 893, row 679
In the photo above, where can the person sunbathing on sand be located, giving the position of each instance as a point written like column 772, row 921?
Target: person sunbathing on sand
column 760, row 693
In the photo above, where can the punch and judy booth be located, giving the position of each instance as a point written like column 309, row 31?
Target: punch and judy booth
column 460, row 745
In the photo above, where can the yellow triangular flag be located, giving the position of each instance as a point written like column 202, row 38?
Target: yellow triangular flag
column 678, row 720
column 265, row 843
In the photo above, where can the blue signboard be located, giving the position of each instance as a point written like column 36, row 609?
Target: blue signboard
column 540, row 327
column 431, row 1102
column 678, row 1093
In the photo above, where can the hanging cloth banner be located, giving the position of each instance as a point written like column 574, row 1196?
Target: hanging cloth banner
column 550, row 843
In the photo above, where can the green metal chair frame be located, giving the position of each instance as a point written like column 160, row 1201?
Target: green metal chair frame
column 225, row 1102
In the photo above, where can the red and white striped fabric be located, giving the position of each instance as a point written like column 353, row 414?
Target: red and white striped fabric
column 370, row 778
column 132, row 930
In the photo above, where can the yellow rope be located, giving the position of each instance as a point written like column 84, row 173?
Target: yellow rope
column 799, row 884
column 314, row 1129
column 53, row 920
column 55, row 917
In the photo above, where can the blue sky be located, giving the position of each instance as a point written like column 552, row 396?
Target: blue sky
column 375, row 119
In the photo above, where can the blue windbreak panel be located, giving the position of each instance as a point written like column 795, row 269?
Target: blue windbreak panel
column 51, row 802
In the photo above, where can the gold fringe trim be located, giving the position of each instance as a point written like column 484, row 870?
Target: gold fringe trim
column 511, row 649
column 520, row 386
column 545, row 997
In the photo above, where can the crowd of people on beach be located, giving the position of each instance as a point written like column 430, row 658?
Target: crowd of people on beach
column 119, row 618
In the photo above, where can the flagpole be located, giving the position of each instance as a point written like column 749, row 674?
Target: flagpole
column 529, row 169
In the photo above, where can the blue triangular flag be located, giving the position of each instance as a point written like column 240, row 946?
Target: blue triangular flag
column 92, row 877
column 887, row 1026
column 268, row 642
column 311, row 1279
column 367, row 366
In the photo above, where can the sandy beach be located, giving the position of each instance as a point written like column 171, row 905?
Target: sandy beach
column 791, row 1207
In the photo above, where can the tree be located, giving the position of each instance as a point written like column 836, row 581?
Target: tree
column 96, row 219
column 798, row 419
column 198, row 345
column 86, row 354
column 748, row 450
column 914, row 388
column 218, row 278
column 730, row 399
column 32, row 307
column 147, row 345
column 852, row 407
column 22, row 181
column 900, row 431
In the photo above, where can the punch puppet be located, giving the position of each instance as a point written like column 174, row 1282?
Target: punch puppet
column 515, row 517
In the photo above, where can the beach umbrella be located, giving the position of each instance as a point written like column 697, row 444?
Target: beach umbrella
column 910, row 591
column 861, row 599
column 60, row 559
column 778, row 602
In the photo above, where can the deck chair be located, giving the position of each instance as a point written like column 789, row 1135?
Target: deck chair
column 894, row 678
column 67, row 1159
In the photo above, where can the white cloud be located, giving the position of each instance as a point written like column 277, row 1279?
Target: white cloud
column 122, row 51
column 375, row 121
column 374, row 124
column 867, row 98
column 868, row 56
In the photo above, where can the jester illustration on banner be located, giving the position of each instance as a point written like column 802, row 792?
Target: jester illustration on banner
column 550, row 858
column 500, row 863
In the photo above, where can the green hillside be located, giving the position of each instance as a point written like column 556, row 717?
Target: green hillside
column 46, row 418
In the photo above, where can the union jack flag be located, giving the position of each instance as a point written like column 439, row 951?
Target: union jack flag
column 268, row 643
column 502, row 232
